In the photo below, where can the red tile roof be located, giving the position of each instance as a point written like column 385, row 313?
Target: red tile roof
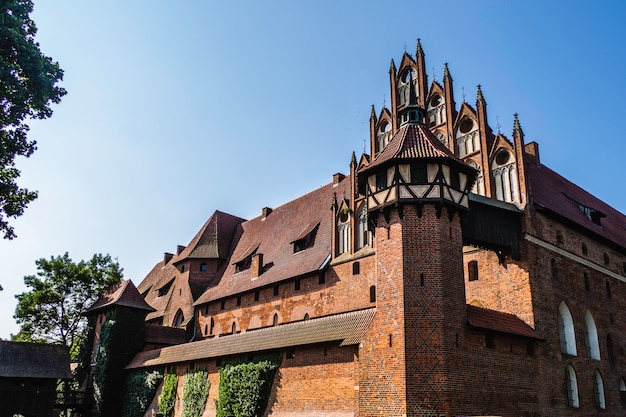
column 121, row 294
column 412, row 141
column 555, row 193
column 348, row 328
column 214, row 238
column 274, row 235
column 498, row 321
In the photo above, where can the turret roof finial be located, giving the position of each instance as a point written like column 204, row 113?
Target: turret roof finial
column 392, row 66
column 517, row 129
column 353, row 161
column 373, row 113
column 479, row 96
column 419, row 50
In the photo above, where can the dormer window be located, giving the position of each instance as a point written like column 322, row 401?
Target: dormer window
column 306, row 238
column 592, row 214
column 245, row 261
column 165, row 289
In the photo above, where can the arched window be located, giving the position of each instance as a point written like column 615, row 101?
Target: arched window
column 212, row 326
column 572, row 387
column 584, row 248
column 373, row 294
column 363, row 234
column 479, row 184
column 234, row 327
column 206, row 329
column 591, row 339
column 622, row 391
column 275, row 320
column 343, row 232
column 566, row 330
column 505, row 176
column 179, row 319
column 599, row 391
column 306, row 317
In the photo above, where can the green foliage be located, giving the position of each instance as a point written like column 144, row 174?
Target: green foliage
column 28, row 86
column 121, row 337
column 195, row 393
column 141, row 386
column 244, row 388
column 51, row 311
column 168, row 394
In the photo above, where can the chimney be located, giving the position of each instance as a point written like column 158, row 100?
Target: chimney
column 265, row 212
column 179, row 249
column 256, row 266
column 532, row 149
column 337, row 179
column 167, row 257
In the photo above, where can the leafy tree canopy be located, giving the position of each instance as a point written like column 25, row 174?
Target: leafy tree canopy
column 28, row 86
column 60, row 292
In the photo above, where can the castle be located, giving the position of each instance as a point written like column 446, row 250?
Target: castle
column 449, row 273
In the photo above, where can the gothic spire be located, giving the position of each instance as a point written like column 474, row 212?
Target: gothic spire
column 479, row 96
column 373, row 113
column 517, row 129
column 446, row 72
column 392, row 67
column 353, row 161
column 419, row 50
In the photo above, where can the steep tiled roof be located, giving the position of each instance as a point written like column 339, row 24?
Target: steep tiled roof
column 164, row 335
column 34, row 360
column 550, row 190
column 412, row 141
column 214, row 238
column 349, row 328
column 121, row 294
column 498, row 321
column 273, row 237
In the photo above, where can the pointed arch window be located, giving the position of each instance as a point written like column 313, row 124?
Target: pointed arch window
column 233, row 329
column 467, row 138
column 599, row 391
column 363, row 236
column 622, row 392
column 591, row 337
column 275, row 320
column 572, row 387
column 343, row 232
column 479, row 184
column 383, row 136
column 504, row 172
column 436, row 110
column 179, row 319
column 566, row 330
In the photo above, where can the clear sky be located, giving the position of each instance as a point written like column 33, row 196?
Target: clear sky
column 179, row 108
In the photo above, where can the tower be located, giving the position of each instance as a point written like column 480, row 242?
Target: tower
column 415, row 189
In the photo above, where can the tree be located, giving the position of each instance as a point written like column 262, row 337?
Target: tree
column 28, row 86
column 60, row 292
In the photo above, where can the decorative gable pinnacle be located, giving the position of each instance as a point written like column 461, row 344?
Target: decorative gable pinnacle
column 517, row 129
column 373, row 113
column 392, row 67
column 353, row 161
column 479, row 96
column 419, row 50
column 446, row 72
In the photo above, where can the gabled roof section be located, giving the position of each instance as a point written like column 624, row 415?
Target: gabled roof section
column 122, row 294
column 347, row 328
column 214, row 238
column 549, row 190
column 307, row 230
column 34, row 360
column 273, row 236
column 465, row 110
column 482, row 318
column 500, row 141
column 412, row 141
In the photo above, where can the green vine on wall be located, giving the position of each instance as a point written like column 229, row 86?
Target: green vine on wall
column 195, row 393
column 141, row 386
column 244, row 388
column 167, row 400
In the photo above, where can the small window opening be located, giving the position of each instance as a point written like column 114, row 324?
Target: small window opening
column 234, row 327
column 182, row 268
column 206, row 329
column 607, row 261
column 381, row 181
column 206, row 310
column 584, row 249
column 297, row 285
column 275, row 320
column 223, row 304
column 238, row 300
column 202, row 267
column 373, row 294
column 275, row 290
column 559, row 238
column 306, row 317
column 419, row 174
column 356, row 268
column 243, row 264
column 454, row 180
column 321, row 278
column 256, row 295
column 472, row 270
column 291, row 353
column 490, row 341
column 165, row 289
column 421, row 279
column 212, row 326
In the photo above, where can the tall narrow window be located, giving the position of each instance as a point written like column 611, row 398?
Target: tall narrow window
column 608, row 290
column 554, row 269
column 584, row 248
column 622, row 392
column 343, row 233
column 363, row 234
column 212, row 327
column 179, row 319
column 599, row 391
column 234, row 328
column 572, row 387
column 586, row 279
column 566, row 330
column 607, row 261
column 356, row 268
column 275, row 320
column 373, row 294
column 591, row 339
column 472, row 270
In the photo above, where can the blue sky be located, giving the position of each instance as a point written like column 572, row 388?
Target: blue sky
column 176, row 109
